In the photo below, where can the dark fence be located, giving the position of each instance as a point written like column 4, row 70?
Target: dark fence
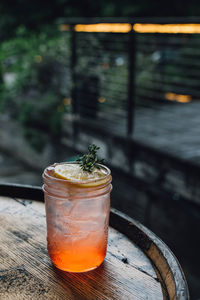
column 139, row 78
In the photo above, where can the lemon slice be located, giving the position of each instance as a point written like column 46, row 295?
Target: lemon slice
column 73, row 172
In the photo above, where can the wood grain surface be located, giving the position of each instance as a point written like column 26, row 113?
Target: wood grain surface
column 166, row 265
column 26, row 271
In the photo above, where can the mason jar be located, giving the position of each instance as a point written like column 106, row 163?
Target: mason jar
column 77, row 218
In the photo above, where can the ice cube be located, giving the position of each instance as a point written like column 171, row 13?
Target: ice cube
column 88, row 209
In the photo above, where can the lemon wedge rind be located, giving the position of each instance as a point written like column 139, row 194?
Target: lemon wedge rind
column 73, row 173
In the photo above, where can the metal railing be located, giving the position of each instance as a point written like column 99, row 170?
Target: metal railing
column 124, row 70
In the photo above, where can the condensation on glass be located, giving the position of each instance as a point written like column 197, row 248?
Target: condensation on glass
column 77, row 216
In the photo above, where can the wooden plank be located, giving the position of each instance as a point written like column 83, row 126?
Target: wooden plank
column 166, row 265
column 22, row 191
column 26, row 271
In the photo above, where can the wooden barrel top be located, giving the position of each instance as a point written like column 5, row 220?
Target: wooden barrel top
column 138, row 264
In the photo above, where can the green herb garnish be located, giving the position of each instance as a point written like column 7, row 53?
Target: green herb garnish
column 90, row 161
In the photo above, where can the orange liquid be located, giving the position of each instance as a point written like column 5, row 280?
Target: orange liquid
column 78, row 255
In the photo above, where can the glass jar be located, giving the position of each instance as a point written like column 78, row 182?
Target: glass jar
column 77, row 217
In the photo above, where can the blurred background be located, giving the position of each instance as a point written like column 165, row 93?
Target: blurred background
column 125, row 77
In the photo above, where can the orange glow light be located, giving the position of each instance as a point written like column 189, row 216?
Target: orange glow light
column 138, row 27
column 64, row 27
column 178, row 97
column 67, row 101
column 102, row 99
column 167, row 28
column 38, row 59
column 104, row 27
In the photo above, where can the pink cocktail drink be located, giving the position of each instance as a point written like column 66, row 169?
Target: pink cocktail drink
column 77, row 215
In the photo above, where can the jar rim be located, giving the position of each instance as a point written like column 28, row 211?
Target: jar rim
column 96, row 181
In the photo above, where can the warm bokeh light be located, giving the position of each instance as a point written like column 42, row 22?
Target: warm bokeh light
column 105, row 65
column 67, row 101
column 138, row 27
column 64, row 27
column 102, row 100
column 167, row 28
column 178, row 97
column 104, row 27
column 38, row 58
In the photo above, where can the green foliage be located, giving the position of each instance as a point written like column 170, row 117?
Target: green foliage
column 39, row 118
column 24, row 54
column 35, row 81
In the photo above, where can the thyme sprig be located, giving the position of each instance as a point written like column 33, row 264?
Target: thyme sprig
column 90, row 161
